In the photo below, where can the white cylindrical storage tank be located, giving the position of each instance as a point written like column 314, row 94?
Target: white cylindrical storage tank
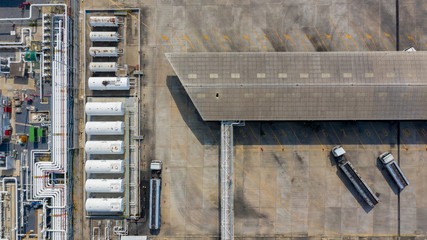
column 104, row 128
column 103, row 36
column 109, row 83
column 105, row 108
column 105, row 205
column 95, row 21
column 103, row 66
column 105, row 185
column 103, row 51
column 105, row 147
column 105, row 166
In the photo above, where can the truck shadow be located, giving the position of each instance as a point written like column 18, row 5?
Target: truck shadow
column 387, row 177
column 350, row 186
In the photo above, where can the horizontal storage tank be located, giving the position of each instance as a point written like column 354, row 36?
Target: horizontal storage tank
column 104, row 36
column 105, row 147
column 103, row 21
column 103, row 51
column 109, row 83
column 103, row 66
column 100, row 205
column 104, row 108
column 104, row 128
column 105, row 185
column 105, row 166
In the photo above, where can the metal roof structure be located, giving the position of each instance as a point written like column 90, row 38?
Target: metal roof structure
column 258, row 86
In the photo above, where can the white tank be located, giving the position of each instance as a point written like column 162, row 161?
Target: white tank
column 105, row 185
column 105, row 147
column 103, row 51
column 105, row 166
column 109, row 83
column 103, row 36
column 105, row 108
column 103, row 21
column 105, row 204
column 103, row 66
column 104, row 128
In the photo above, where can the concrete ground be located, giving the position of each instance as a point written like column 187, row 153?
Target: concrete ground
column 286, row 183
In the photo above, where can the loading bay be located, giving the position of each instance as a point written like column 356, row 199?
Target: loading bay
column 286, row 182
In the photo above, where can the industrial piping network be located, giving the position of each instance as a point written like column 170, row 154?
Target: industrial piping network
column 59, row 152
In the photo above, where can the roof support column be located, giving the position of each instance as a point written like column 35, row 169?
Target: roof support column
column 226, row 179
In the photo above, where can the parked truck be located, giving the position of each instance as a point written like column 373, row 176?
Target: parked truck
column 155, row 187
column 354, row 177
column 394, row 170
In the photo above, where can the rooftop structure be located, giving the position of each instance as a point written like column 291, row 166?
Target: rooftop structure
column 105, row 185
column 103, row 51
column 104, row 166
column 103, row 21
column 104, row 128
column 109, row 83
column 104, row 108
column 104, row 205
column 305, row 86
column 103, row 36
column 104, row 147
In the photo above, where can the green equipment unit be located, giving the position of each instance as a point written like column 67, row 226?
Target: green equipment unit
column 31, row 56
column 32, row 134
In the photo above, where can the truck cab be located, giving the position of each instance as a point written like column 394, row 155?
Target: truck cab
column 386, row 158
column 156, row 165
column 338, row 151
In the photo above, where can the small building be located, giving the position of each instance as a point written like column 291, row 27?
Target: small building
column 103, row 36
column 103, row 66
column 105, row 166
column 105, row 205
column 103, row 51
column 105, row 185
column 105, row 147
column 105, row 108
column 109, row 83
column 104, row 128
column 103, row 21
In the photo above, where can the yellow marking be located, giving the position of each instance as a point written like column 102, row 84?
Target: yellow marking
column 277, row 139
column 155, row 35
column 422, row 39
column 280, row 39
column 302, row 147
column 259, row 39
column 370, row 37
column 301, row 40
column 207, row 38
column 227, row 38
column 243, row 45
column 288, row 37
column 186, row 38
column 360, row 35
column 179, row 40
column 247, row 37
column 425, row 4
column 358, row 137
column 382, row 40
column 318, row 34
column 311, row 40
column 349, row 37
column 378, row 136
column 419, row 135
column 332, row 40
column 318, row 139
column 333, row 130
column 253, row 133
column 339, row 35
column 200, row 42
column 403, row 143
column 216, row 35
column 412, row 38
column 388, row 35
column 166, row 38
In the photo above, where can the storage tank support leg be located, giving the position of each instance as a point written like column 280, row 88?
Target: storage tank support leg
column 226, row 179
